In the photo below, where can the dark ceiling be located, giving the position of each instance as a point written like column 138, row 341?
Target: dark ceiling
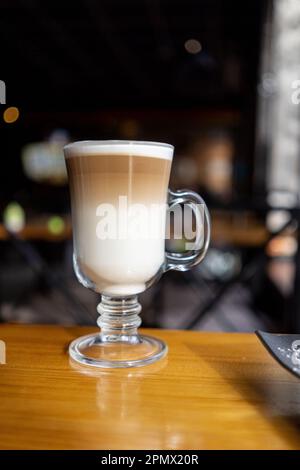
column 128, row 53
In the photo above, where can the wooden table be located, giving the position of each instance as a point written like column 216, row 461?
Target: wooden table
column 214, row 391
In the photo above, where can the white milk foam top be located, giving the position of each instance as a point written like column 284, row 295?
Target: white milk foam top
column 119, row 147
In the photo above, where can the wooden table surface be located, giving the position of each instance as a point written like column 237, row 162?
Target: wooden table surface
column 213, row 391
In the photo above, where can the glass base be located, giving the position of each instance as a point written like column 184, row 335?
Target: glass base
column 98, row 350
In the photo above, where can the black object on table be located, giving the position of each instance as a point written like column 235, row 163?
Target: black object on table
column 284, row 348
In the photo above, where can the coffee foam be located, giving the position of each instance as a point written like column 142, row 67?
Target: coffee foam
column 115, row 147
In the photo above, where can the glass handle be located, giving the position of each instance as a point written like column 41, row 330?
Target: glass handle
column 190, row 258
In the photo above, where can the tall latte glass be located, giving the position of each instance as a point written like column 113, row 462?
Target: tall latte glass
column 120, row 200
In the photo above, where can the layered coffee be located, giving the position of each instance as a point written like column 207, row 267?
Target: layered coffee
column 119, row 176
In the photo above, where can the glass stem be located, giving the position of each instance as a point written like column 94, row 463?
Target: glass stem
column 119, row 319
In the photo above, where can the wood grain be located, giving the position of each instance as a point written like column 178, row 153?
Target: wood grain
column 214, row 391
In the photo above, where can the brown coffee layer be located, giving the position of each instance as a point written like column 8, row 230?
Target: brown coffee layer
column 95, row 179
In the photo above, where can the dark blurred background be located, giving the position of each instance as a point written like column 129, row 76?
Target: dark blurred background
column 217, row 79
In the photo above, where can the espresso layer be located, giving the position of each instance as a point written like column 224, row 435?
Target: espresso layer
column 95, row 179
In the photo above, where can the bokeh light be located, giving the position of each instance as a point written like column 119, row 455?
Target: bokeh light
column 192, row 46
column 11, row 115
column 56, row 225
column 14, row 217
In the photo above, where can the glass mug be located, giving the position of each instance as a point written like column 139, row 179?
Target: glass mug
column 119, row 203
